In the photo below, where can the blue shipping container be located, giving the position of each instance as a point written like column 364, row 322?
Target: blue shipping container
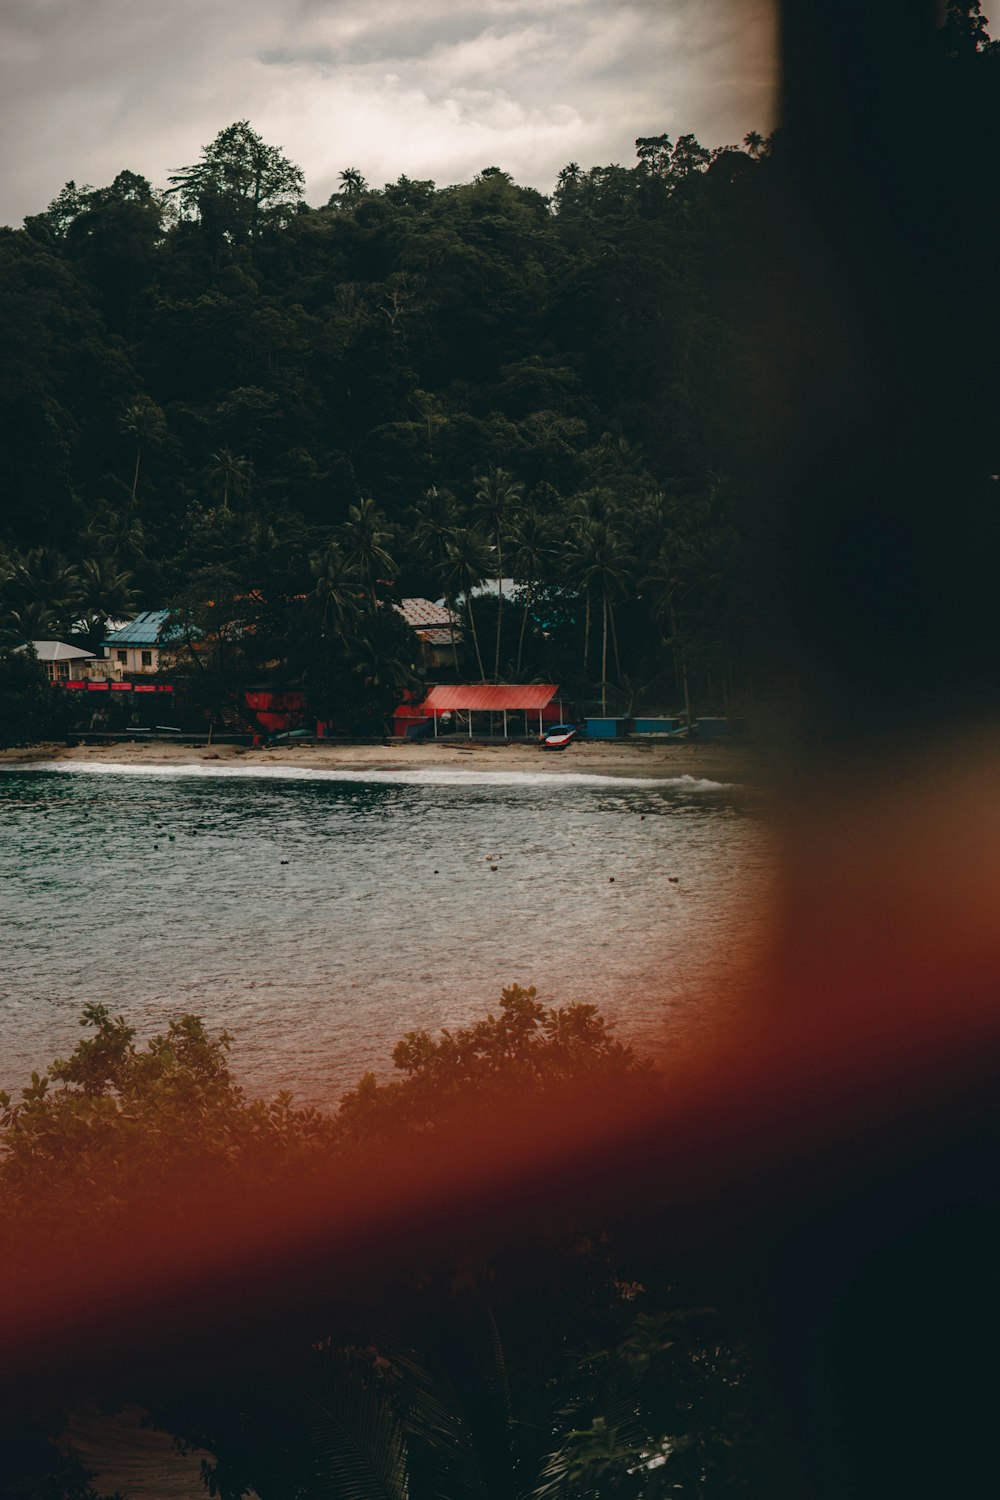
column 657, row 726
column 604, row 729
column 710, row 729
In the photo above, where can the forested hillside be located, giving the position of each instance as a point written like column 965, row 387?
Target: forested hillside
column 220, row 399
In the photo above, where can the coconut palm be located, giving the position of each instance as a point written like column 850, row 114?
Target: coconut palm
column 532, row 542
column 334, row 597
column 378, row 653
column 467, row 565
column 365, row 534
column 45, row 579
column 118, row 533
column 662, row 587
column 598, row 562
column 352, row 184
column 229, row 474
column 497, row 500
column 435, row 520
column 30, row 622
column 104, row 592
column 145, row 422
column 435, row 523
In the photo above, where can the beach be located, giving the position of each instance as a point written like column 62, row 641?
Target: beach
column 655, row 759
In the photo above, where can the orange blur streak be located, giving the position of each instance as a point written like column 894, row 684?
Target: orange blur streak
column 880, row 1011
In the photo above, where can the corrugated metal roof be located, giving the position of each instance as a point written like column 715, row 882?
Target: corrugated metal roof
column 487, row 695
column 146, row 629
column 59, row 651
column 418, row 612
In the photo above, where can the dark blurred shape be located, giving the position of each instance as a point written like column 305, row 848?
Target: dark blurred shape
column 890, row 150
column 888, row 506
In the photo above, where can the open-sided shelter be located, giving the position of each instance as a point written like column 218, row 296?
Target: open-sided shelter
column 529, row 699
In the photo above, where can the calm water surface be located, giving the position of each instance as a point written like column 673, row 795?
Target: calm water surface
column 318, row 915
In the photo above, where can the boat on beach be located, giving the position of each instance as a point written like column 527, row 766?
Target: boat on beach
column 559, row 736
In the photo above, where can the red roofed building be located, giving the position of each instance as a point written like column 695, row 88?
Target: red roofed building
column 437, row 628
column 503, row 709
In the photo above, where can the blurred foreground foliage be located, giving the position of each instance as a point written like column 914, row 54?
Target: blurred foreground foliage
column 549, row 1365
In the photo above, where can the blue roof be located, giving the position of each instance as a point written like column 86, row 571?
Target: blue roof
column 146, row 629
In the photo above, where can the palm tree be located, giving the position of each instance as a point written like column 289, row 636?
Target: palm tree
column 30, row 622
column 533, row 551
column 334, row 598
column 467, row 565
column 144, row 421
column 435, row 524
column 598, row 558
column 104, row 592
column 230, row 473
column 45, row 579
column 378, row 654
column 435, row 521
column 365, row 533
column 663, row 587
column 118, row 533
column 352, row 184
column 497, row 500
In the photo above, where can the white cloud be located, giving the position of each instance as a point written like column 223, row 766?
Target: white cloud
column 437, row 92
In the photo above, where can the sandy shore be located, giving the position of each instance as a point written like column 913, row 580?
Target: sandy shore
column 729, row 763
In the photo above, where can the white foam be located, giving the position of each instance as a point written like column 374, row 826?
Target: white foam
column 430, row 776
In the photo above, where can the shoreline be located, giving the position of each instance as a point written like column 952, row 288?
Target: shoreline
column 656, row 760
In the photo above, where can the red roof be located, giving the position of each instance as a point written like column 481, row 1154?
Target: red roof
column 437, row 637
column 418, row 612
column 484, row 696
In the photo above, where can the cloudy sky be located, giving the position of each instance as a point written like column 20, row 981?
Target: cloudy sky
column 433, row 88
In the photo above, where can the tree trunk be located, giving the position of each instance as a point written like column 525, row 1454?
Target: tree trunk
column 586, row 632
column 614, row 642
column 604, row 658
column 679, row 659
column 135, row 476
column 451, row 625
column 475, row 636
column 496, row 665
column 524, row 622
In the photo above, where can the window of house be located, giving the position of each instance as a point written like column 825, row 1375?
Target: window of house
column 63, row 669
column 122, row 656
column 147, row 658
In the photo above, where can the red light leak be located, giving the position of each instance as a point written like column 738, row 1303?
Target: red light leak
column 877, row 1019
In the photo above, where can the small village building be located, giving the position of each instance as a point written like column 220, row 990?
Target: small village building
column 63, row 663
column 139, row 647
column 437, row 628
column 483, row 708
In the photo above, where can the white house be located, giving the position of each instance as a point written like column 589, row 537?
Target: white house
column 63, row 663
column 135, row 648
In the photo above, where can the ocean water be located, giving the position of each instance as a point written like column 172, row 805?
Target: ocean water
column 318, row 916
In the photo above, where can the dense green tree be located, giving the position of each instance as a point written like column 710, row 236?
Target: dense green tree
column 30, row 710
column 478, row 341
column 538, row 1371
column 239, row 184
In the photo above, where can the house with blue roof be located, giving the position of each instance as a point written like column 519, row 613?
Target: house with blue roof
column 136, row 647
